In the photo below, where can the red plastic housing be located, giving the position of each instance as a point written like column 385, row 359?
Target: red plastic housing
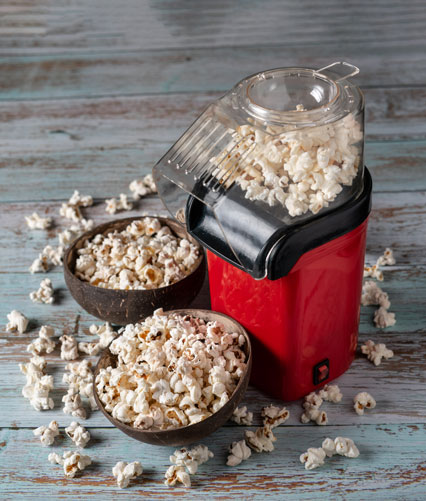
column 303, row 326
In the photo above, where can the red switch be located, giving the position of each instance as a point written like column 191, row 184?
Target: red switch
column 321, row 371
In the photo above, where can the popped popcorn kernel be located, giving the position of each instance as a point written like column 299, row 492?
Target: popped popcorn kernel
column 78, row 434
column 113, row 205
column 340, row 445
column 261, row 440
column 372, row 294
column 375, row 352
column 125, row 472
column 142, row 187
column 73, row 462
column 241, row 415
column 384, row 318
column 18, row 322
column 47, row 433
column 363, row 400
column 69, row 348
column 44, row 294
column 313, row 458
column 387, row 259
column 176, row 474
column 238, row 452
column 36, row 222
column 274, row 416
column 44, row 343
column 38, row 383
column 331, row 393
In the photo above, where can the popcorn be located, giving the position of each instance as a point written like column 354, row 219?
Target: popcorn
column 71, row 209
column 142, row 187
column 384, row 318
column 47, row 433
column 35, row 222
column 17, row 322
column 238, row 452
column 69, row 349
column 39, row 265
column 124, row 472
column 313, row 458
column 49, row 255
column 189, row 459
column 44, row 294
column 113, row 205
column 340, row 445
column 242, row 416
column 176, row 474
column 375, row 352
column 67, row 236
column 171, row 371
column 374, row 272
column 331, row 393
column 73, row 462
column 387, row 259
column 145, row 255
column 261, row 440
column 38, row 384
column 73, row 404
column 44, row 343
column 106, row 334
column 312, row 404
column 363, row 400
column 274, row 416
column 80, row 380
column 372, row 294
column 78, row 434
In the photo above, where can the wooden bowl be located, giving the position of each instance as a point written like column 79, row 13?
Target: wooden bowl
column 130, row 306
column 194, row 432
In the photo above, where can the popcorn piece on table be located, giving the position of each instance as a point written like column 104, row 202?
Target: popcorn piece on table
column 124, row 472
column 113, row 205
column 44, row 343
column 38, row 384
column 387, row 259
column 242, row 416
column 73, row 404
column 372, row 294
column 384, row 318
column 261, row 440
column 106, row 334
column 313, row 458
column 67, row 236
column 373, row 272
column 78, row 434
column 17, row 322
column 238, row 452
column 191, row 459
column 71, row 209
column 69, row 347
column 47, row 433
column 73, row 462
column 48, row 256
column 363, row 400
column 331, row 393
column 274, row 416
column 312, row 412
column 142, row 187
column 44, row 294
column 340, row 445
column 79, row 378
column 176, row 474
column 375, row 352
column 35, row 222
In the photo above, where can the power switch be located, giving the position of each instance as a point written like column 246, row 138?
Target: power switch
column 321, row 371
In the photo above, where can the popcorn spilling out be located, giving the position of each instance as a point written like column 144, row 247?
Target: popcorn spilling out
column 301, row 170
column 340, row 445
column 78, row 434
column 142, row 187
column 38, row 384
column 113, row 205
column 387, row 259
column 189, row 459
column 313, row 458
column 238, row 452
column 106, row 334
column 44, row 294
column 312, row 412
column 35, row 222
column 363, row 400
column 69, row 347
column 67, row 236
column 73, row 462
column 372, row 294
column 384, row 318
column 241, row 415
column 171, row 371
column 124, row 472
column 274, row 416
column 47, row 433
column 71, row 209
column 331, row 393
column 145, row 255
column 48, row 256
column 261, row 440
column 373, row 272
column 44, row 343
column 375, row 352
column 80, row 381
column 18, row 322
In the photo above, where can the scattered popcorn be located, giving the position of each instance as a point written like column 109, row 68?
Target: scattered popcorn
column 274, row 416
column 142, row 187
column 372, row 294
column 313, row 458
column 17, row 322
column 191, row 459
column 375, row 352
column 124, row 472
column 69, row 348
column 48, row 256
column 106, row 334
column 73, row 404
column 71, row 209
column 47, row 433
column 80, row 380
column 171, row 371
column 146, row 255
column 35, row 222
column 329, row 447
column 70, row 234
column 331, row 393
column 384, row 318
column 73, row 462
column 44, row 343
column 176, row 474
column 238, row 452
column 44, row 294
column 340, row 445
column 363, row 400
column 261, row 440
column 302, row 170
column 38, row 385
column 113, row 205
column 78, row 434
column 387, row 259
column 39, row 265
column 312, row 404
column 242, row 416
column 374, row 272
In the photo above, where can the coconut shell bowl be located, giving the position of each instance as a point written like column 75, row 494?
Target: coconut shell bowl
column 123, row 307
column 194, row 432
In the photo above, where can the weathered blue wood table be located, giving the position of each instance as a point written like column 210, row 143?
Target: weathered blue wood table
column 92, row 94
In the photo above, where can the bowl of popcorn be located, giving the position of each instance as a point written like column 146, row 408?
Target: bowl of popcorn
column 123, row 270
column 174, row 378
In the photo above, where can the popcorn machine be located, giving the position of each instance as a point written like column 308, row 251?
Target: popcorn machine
column 270, row 180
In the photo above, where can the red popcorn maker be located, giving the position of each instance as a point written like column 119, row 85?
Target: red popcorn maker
column 270, row 180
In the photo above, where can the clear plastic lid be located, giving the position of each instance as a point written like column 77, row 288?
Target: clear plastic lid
column 281, row 148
